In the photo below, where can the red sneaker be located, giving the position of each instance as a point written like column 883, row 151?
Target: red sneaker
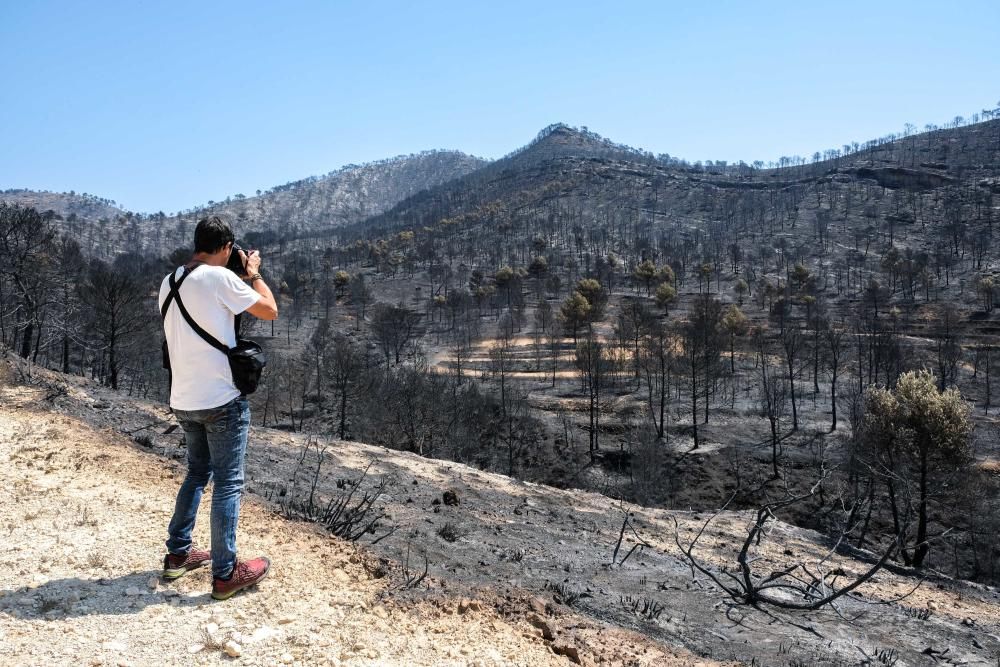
column 245, row 574
column 175, row 566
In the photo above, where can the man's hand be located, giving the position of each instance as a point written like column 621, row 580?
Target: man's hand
column 251, row 262
column 266, row 307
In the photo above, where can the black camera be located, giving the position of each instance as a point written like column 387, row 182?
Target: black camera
column 235, row 263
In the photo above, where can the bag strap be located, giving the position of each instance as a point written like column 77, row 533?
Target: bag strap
column 175, row 293
column 174, row 288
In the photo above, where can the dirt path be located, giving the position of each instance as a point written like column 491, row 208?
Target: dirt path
column 82, row 518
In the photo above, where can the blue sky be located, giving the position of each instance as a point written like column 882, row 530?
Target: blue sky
column 165, row 105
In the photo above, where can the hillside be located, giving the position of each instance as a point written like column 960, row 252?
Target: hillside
column 348, row 195
column 312, row 205
column 67, row 205
column 523, row 577
column 569, row 167
column 587, row 316
column 562, row 141
column 86, row 508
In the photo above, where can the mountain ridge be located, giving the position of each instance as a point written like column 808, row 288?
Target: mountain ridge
column 551, row 159
column 557, row 141
column 344, row 196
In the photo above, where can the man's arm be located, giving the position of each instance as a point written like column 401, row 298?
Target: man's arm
column 266, row 307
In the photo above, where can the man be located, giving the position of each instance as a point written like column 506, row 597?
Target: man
column 214, row 415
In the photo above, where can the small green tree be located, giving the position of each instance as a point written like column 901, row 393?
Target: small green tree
column 504, row 279
column 917, row 437
column 705, row 277
column 574, row 313
column 538, row 268
column 645, row 274
column 665, row 295
column 595, row 295
column 741, row 288
column 666, row 275
column 734, row 323
column 341, row 279
column 800, row 276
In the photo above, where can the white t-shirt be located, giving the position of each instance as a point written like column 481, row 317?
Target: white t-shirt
column 213, row 296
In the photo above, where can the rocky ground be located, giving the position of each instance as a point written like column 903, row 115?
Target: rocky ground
column 83, row 511
column 518, row 574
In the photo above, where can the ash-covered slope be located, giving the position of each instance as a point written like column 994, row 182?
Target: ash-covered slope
column 556, row 150
column 84, row 509
column 67, row 205
column 346, row 196
column 536, row 561
column 312, row 205
column 922, row 193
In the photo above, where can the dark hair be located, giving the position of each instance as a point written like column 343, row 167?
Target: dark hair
column 212, row 234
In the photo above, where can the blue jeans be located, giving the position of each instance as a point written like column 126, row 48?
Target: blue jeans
column 216, row 447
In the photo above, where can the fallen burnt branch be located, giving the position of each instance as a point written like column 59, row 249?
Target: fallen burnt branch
column 796, row 587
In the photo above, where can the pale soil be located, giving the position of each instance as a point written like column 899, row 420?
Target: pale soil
column 62, row 439
column 83, row 513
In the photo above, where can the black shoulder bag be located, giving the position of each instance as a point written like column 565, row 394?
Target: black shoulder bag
column 246, row 360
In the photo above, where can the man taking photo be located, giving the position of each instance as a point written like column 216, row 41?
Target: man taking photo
column 214, row 414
